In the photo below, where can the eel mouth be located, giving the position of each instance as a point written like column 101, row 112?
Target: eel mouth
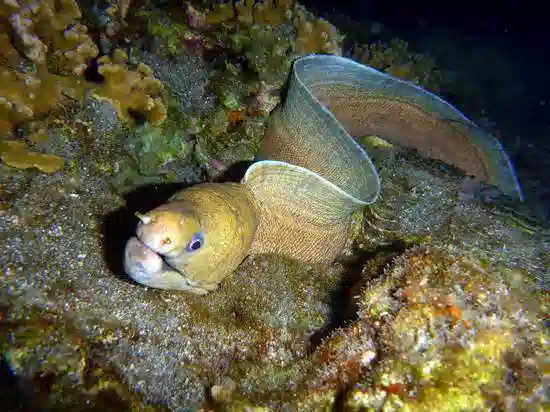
column 148, row 268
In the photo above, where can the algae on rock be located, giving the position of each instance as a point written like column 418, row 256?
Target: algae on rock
column 437, row 331
column 59, row 368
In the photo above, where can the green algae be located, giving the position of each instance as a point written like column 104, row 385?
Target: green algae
column 155, row 147
column 395, row 58
column 169, row 31
column 148, row 149
column 219, row 144
column 267, row 51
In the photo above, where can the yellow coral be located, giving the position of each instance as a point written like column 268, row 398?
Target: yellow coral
column 131, row 92
column 268, row 12
column 47, row 33
column 245, row 11
column 395, row 59
column 437, row 331
column 42, row 26
column 221, row 13
column 315, row 35
column 74, row 50
column 25, row 96
column 8, row 54
column 119, row 9
column 16, row 154
column 44, row 29
column 272, row 13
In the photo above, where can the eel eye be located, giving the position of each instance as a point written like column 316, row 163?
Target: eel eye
column 195, row 243
column 166, row 241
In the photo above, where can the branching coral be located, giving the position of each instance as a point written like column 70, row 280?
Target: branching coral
column 44, row 28
column 249, row 12
column 311, row 34
column 46, row 33
column 25, row 96
column 50, row 36
column 133, row 93
column 119, row 8
column 73, row 50
column 315, row 35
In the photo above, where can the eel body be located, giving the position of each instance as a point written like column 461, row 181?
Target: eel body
column 311, row 175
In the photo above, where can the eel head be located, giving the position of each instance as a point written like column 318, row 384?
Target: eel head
column 166, row 239
column 194, row 241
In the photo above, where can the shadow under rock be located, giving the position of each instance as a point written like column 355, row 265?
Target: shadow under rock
column 233, row 173
column 13, row 400
column 343, row 306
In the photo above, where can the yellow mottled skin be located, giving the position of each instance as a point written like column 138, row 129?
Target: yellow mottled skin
column 223, row 214
column 298, row 201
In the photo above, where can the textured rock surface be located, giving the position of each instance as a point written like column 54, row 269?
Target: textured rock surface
column 61, row 241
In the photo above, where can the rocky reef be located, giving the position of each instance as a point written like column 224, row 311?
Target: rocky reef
column 432, row 334
column 106, row 108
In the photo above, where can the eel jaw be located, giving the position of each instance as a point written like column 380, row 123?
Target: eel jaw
column 149, row 269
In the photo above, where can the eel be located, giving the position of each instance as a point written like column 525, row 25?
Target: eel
column 297, row 199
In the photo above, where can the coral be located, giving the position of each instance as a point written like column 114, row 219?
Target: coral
column 52, row 50
column 395, row 59
column 273, row 13
column 39, row 34
column 171, row 33
column 44, row 29
column 155, row 154
column 267, row 55
column 222, row 393
column 221, row 13
column 438, row 330
column 47, row 35
column 120, row 8
column 250, row 12
column 228, row 137
column 73, row 50
column 25, row 96
column 315, row 35
column 311, row 34
column 15, row 154
column 154, row 147
column 133, row 93
column 8, row 53
column 257, row 43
